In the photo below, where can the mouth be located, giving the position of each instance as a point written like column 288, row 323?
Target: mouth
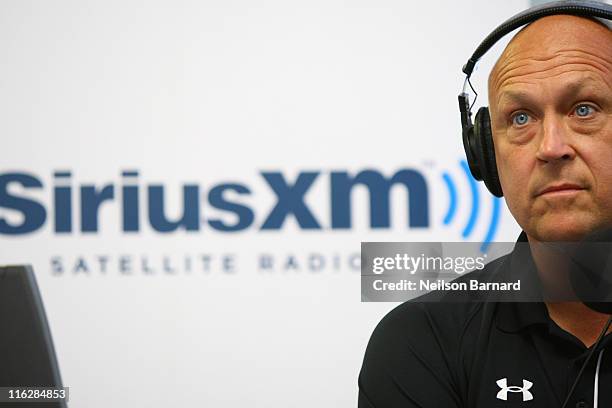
column 565, row 189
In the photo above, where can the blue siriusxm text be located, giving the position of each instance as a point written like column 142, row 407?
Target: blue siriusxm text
column 129, row 191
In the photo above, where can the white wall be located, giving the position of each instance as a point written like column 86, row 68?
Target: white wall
column 193, row 92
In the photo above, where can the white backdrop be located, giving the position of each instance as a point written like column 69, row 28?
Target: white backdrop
column 213, row 92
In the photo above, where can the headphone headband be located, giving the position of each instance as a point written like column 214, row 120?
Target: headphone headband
column 587, row 8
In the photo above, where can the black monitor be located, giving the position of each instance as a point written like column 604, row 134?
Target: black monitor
column 27, row 356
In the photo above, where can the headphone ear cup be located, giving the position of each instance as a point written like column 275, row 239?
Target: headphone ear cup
column 469, row 146
column 485, row 150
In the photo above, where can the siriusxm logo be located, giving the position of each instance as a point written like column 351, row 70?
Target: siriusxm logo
column 138, row 202
column 126, row 195
column 451, row 213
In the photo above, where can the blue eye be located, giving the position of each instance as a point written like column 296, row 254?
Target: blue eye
column 583, row 110
column 520, row 119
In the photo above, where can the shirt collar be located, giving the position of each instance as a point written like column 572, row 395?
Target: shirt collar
column 514, row 316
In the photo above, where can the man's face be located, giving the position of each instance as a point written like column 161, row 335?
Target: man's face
column 550, row 100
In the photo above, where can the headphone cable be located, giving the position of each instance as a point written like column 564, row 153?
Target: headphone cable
column 601, row 336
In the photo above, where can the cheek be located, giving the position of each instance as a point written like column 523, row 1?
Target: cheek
column 514, row 167
column 599, row 163
column 595, row 151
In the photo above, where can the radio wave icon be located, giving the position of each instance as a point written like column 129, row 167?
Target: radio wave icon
column 468, row 229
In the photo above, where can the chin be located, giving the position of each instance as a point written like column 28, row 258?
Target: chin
column 562, row 230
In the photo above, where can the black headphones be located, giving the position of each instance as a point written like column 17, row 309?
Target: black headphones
column 477, row 137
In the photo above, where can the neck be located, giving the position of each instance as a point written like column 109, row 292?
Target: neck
column 577, row 319
column 573, row 316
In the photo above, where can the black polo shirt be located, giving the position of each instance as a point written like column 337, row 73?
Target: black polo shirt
column 480, row 354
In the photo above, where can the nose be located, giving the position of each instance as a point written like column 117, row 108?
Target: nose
column 554, row 143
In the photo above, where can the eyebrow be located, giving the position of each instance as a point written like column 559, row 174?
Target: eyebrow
column 569, row 90
column 520, row 97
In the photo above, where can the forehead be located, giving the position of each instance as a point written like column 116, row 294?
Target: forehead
column 555, row 49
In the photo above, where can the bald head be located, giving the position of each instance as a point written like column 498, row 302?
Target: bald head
column 550, row 101
column 550, row 43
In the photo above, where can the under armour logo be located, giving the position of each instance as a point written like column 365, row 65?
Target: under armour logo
column 503, row 393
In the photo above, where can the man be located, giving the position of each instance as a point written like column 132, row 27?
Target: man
column 550, row 97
